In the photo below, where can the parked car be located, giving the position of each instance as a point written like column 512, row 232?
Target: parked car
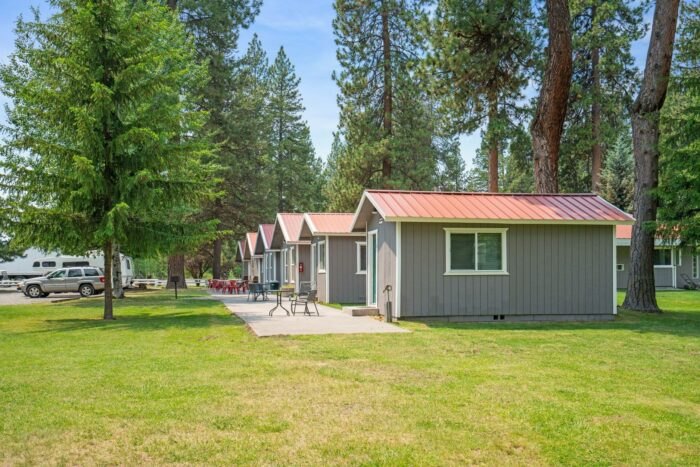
column 87, row 281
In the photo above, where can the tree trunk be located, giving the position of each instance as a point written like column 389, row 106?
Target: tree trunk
column 176, row 267
column 216, row 260
column 388, row 96
column 108, row 306
column 548, row 124
column 493, row 144
column 641, row 292
column 117, row 288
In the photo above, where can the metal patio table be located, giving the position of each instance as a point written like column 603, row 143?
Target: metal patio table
column 280, row 293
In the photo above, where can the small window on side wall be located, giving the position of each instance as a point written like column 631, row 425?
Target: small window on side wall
column 361, row 258
column 620, row 267
column 475, row 251
column 322, row 256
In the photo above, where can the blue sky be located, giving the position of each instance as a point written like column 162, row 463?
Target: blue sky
column 304, row 28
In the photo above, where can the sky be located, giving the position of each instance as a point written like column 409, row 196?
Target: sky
column 304, row 28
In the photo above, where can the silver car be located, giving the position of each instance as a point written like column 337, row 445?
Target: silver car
column 86, row 280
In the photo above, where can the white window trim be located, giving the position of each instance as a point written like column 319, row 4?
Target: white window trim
column 678, row 256
column 469, row 272
column 358, row 247
column 325, row 256
column 292, row 264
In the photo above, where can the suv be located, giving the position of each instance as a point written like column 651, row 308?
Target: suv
column 87, row 281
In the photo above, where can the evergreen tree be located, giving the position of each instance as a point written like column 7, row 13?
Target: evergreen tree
column 679, row 185
column 604, row 79
column 215, row 26
column 482, row 54
column 617, row 179
column 103, row 143
column 296, row 170
column 387, row 121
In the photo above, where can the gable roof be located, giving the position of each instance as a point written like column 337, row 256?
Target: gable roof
column 240, row 252
column 264, row 238
column 287, row 228
column 251, row 239
column 327, row 223
column 505, row 208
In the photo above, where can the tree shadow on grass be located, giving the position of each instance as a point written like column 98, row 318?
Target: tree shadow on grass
column 679, row 323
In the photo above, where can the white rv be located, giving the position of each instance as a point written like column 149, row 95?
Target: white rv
column 38, row 263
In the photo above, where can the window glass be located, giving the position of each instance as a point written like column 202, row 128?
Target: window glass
column 696, row 266
column 489, row 248
column 128, row 265
column 662, row 257
column 36, row 264
column 322, row 256
column 68, row 264
column 48, row 264
column 462, row 251
column 91, row 272
column 57, row 274
column 75, row 273
column 362, row 257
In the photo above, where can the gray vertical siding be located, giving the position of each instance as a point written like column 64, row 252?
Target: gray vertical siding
column 663, row 276
column 304, row 256
column 346, row 286
column 623, row 258
column 554, row 270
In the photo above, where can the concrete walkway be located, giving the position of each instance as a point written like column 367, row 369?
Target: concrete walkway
column 331, row 321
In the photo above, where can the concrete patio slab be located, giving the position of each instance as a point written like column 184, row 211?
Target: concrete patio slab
column 331, row 321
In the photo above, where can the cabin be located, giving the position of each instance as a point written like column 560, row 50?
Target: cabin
column 672, row 262
column 254, row 260
column 295, row 253
column 338, row 257
column 490, row 256
column 270, row 270
column 240, row 258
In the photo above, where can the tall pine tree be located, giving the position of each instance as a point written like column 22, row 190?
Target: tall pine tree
column 296, row 171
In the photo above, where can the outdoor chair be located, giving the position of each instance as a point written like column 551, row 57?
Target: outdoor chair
column 691, row 283
column 257, row 290
column 305, row 299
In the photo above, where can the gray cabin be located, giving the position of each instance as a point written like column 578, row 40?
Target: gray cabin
column 270, row 270
column 489, row 256
column 254, row 260
column 295, row 254
column 673, row 263
column 240, row 258
column 338, row 257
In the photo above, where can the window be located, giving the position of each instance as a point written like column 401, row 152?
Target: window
column 91, row 272
column 36, row 264
column 696, row 266
column 620, row 267
column 128, row 265
column 284, row 266
column 662, row 257
column 48, row 264
column 361, row 258
column 75, row 273
column 291, row 262
column 68, row 264
column 57, row 274
column 475, row 251
column 322, row 256
column 679, row 257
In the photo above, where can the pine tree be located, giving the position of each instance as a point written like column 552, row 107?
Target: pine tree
column 679, row 185
column 387, row 121
column 103, row 142
column 482, row 56
column 295, row 169
column 215, row 26
column 617, row 179
column 604, row 79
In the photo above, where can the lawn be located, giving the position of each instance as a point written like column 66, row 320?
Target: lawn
column 184, row 382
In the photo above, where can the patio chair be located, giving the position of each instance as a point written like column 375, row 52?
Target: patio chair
column 690, row 283
column 305, row 300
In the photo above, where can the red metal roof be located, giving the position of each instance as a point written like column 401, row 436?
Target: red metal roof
column 291, row 225
column 267, row 231
column 251, row 238
column 490, row 207
column 328, row 223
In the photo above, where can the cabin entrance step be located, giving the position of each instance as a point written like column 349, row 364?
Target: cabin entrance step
column 361, row 310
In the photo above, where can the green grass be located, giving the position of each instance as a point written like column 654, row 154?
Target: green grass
column 184, row 382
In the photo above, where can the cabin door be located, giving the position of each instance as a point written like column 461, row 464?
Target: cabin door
column 372, row 268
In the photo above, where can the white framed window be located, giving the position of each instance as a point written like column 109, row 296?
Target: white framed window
column 663, row 257
column 284, row 266
column 291, row 262
column 620, row 267
column 475, row 251
column 322, row 256
column 361, row 262
column 679, row 257
column 696, row 266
